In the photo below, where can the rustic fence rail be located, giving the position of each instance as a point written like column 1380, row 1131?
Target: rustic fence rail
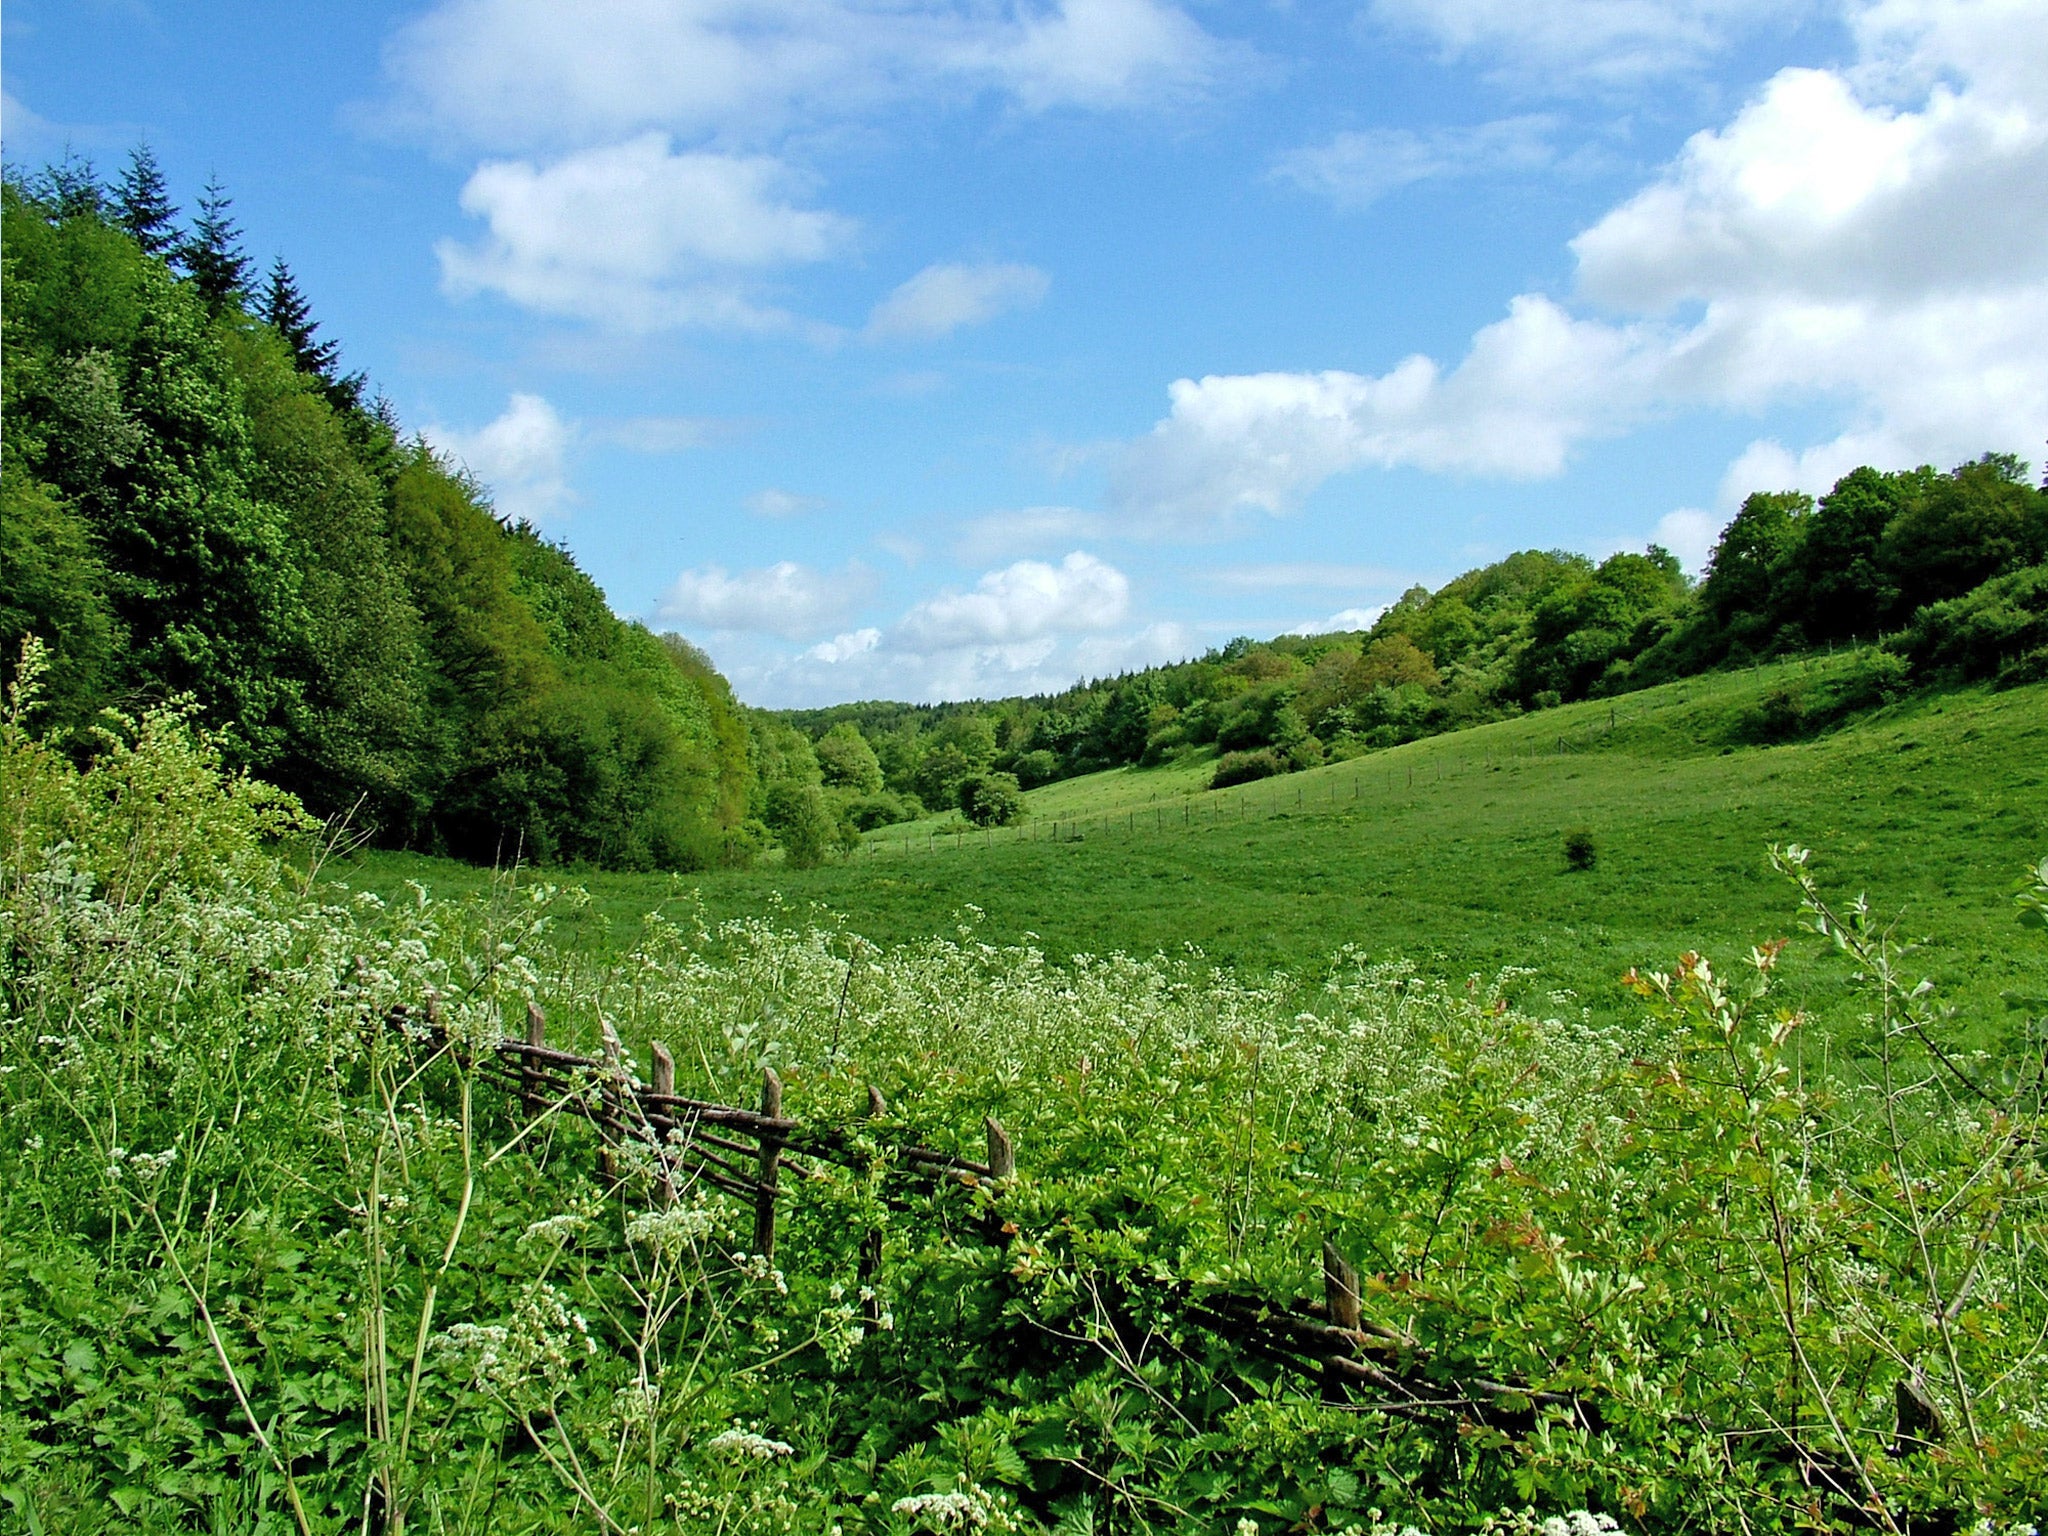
column 1356, row 1360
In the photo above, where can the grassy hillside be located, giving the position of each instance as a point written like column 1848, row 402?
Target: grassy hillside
column 1449, row 851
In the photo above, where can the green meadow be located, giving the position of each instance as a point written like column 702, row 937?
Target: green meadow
column 1448, row 852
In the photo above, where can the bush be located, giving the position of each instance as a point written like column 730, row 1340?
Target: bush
column 1244, row 767
column 992, row 799
column 1984, row 632
column 802, row 823
column 1036, row 768
column 1580, row 851
column 882, row 810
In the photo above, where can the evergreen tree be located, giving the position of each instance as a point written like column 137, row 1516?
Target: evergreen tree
column 142, row 204
column 70, row 188
column 212, row 254
column 285, row 307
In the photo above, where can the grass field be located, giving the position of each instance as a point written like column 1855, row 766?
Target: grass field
column 1448, row 851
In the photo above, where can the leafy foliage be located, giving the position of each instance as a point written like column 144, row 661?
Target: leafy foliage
column 271, row 1263
column 197, row 503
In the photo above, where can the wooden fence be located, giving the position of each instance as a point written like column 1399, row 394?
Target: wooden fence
column 742, row 1152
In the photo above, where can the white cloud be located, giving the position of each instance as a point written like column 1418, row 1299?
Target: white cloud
column 1829, row 247
column 1343, row 621
column 998, row 534
column 1567, row 44
column 519, row 458
column 1354, row 170
column 538, row 74
column 843, row 648
column 1531, row 386
column 1020, row 603
column 784, row 599
column 1689, row 534
column 638, row 236
column 779, row 504
column 941, row 299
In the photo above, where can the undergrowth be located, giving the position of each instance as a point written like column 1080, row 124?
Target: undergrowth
column 273, row 1264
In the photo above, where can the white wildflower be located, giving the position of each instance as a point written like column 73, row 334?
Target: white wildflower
column 746, row 1444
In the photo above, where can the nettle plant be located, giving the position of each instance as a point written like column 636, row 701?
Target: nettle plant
column 274, row 1263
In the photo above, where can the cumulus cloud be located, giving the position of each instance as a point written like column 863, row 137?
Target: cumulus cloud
column 1689, row 534
column 1356, row 169
column 1566, row 44
column 1028, row 627
column 785, row 599
column 1834, row 245
column 1531, row 386
column 943, row 298
column 520, row 458
column 638, row 235
column 535, row 74
column 1020, row 603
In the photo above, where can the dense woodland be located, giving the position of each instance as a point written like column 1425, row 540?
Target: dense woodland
column 1945, row 569
column 199, row 501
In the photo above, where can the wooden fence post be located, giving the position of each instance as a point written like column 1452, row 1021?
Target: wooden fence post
column 871, row 1243
column 529, row 1072
column 664, row 1087
column 771, row 1160
column 612, row 1097
column 1340, row 1301
column 1002, row 1156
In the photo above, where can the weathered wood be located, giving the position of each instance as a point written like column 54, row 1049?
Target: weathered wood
column 1340, row 1297
column 664, row 1082
column 530, row 1091
column 771, row 1160
column 871, row 1240
column 1002, row 1156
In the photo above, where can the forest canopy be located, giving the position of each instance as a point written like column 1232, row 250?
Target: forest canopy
column 196, row 500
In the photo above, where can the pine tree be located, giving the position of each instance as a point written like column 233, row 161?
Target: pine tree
column 285, row 307
column 142, row 204
column 212, row 254
column 71, row 187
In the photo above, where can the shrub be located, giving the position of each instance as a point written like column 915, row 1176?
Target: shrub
column 802, row 823
column 1984, row 632
column 1243, row 767
column 1036, row 768
column 1580, row 851
column 882, row 810
column 992, row 799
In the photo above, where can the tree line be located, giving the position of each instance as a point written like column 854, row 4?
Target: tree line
column 197, row 500
column 1949, row 570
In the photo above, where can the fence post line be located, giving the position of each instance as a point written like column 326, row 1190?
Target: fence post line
column 529, row 1073
column 664, row 1087
column 1340, row 1301
column 771, row 1160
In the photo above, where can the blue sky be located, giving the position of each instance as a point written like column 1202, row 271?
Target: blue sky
column 928, row 349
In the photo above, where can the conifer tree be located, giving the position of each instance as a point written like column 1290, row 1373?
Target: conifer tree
column 71, row 186
column 285, row 307
column 142, row 204
column 212, row 254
